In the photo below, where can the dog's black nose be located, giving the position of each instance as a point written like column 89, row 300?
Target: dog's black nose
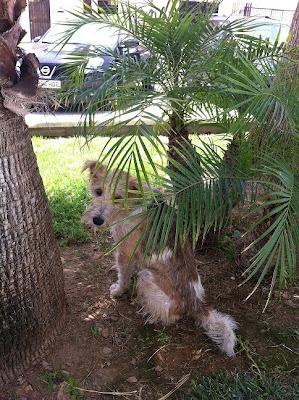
column 98, row 220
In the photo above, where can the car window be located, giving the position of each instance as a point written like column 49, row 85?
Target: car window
column 94, row 34
column 271, row 31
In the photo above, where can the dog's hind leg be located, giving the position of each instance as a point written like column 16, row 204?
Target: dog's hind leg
column 157, row 305
column 125, row 268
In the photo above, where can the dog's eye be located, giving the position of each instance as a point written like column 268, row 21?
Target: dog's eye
column 99, row 192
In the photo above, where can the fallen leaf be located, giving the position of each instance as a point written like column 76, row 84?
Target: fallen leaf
column 105, row 333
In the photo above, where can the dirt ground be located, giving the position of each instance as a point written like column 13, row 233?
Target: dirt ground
column 106, row 347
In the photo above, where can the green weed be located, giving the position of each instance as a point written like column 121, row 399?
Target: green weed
column 72, row 389
column 52, row 378
column 95, row 331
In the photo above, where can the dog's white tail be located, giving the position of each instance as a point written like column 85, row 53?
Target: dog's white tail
column 220, row 328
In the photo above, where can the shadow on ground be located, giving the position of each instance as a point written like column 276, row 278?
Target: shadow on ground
column 106, row 347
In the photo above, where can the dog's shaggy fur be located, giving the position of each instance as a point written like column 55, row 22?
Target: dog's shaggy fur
column 168, row 284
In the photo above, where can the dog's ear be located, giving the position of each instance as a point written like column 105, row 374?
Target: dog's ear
column 89, row 164
column 93, row 166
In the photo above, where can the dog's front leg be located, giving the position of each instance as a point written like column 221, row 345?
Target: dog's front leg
column 125, row 268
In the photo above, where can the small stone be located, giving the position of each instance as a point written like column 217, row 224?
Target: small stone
column 62, row 260
column 237, row 234
column 28, row 388
column 285, row 295
column 133, row 361
column 132, row 379
column 66, row 373
column 20, row 380
column 106, row 351
column 105, row 333
column 233, row 278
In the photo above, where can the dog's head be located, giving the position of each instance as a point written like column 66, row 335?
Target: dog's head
column 111, row 192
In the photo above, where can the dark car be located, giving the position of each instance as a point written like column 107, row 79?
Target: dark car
column 55, row 59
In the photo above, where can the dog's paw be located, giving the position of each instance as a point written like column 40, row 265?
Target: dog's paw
column 116, row 290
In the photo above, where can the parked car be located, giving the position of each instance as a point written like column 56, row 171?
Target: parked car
column 266, row 28
column 270, row 29
column 54, row 58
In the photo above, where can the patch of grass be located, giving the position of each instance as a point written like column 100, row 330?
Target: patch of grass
column 150, row 336
column 289, row 337
column 243, row 386
column 95, row 331
column 60, row 161
column 72, row 389
column 52, row 378
column 163, row 338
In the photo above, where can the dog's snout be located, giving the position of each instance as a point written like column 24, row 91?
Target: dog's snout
column 98, row 220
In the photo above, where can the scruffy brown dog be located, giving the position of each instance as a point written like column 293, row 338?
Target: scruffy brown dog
column 168, row 285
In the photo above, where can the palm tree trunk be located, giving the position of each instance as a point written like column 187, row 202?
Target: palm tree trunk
column 177, row 136
column 294, row 31
column 32, row 301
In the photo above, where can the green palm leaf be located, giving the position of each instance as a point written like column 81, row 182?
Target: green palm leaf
column 279, row 242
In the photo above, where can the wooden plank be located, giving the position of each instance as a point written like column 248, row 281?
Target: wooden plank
column 70, row 130
column 39, row 16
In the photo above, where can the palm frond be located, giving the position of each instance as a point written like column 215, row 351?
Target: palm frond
column 199, row 196
column 280, row 239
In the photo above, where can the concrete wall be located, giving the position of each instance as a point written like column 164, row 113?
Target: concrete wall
column 25, row 23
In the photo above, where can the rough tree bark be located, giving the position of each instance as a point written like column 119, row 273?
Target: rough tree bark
column 32, row 301
column 293, row 41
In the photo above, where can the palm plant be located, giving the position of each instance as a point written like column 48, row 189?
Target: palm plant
column 198, row 78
